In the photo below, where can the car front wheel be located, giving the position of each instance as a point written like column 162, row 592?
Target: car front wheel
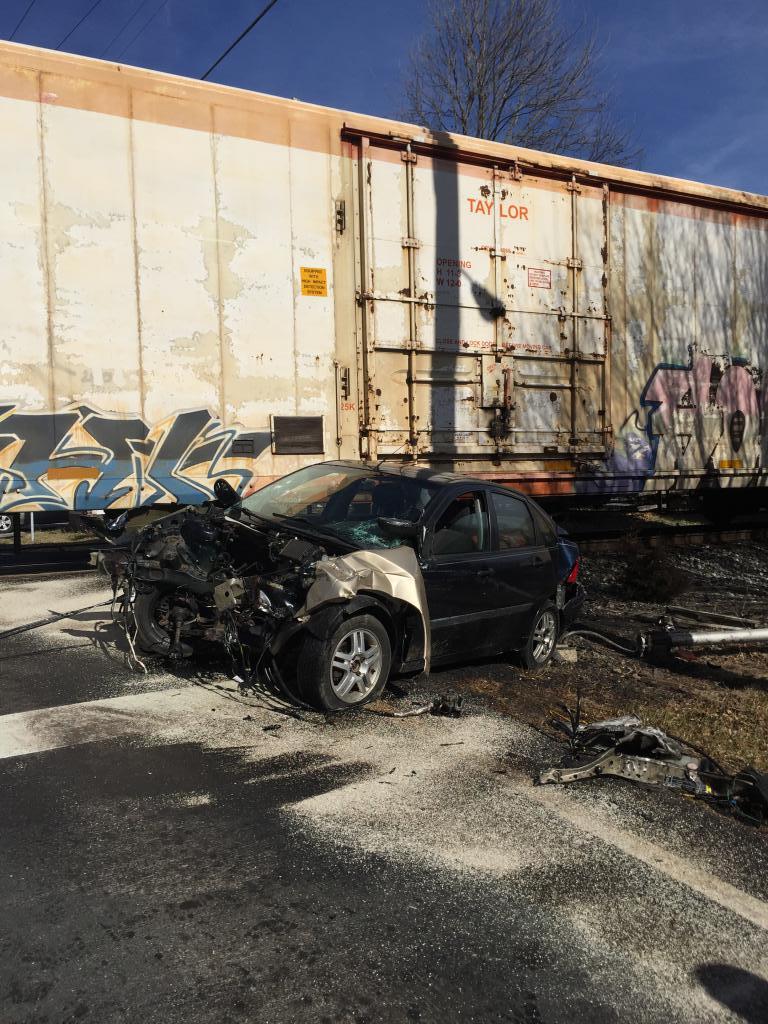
column 542, row 638
column 348, row 668
column 6, row 524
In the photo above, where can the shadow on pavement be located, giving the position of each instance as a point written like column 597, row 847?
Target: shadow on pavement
column 740, row 991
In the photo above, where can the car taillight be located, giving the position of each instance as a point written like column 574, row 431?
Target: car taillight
column 573, row 575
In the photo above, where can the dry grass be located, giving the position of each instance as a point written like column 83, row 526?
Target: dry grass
column 731, row 725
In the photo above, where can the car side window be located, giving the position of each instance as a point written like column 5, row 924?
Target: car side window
column 513, row 522
column 463, row 527
column 546, row 528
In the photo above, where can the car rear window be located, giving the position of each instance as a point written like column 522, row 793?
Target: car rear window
column 513, row 521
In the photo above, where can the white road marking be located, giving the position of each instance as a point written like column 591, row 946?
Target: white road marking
column 678, row 869
column 66, row 725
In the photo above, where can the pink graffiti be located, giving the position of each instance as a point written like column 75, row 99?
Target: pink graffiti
column 735, row 390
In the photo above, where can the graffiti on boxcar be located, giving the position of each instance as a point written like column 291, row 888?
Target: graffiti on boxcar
column 703, row 420
column 83, row 458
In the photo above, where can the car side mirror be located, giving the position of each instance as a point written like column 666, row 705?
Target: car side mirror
column 398, row 527
column 225, row 494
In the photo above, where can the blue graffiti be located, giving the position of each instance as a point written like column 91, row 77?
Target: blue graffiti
column 82, row 458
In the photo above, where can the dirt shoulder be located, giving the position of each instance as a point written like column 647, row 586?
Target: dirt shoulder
column 715, row 698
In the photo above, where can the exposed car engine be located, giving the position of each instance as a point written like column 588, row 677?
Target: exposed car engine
column 213, row 573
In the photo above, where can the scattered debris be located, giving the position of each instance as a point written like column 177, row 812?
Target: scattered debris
column 449, row 706
column 702, row 616
column 565, row 655
column 626, row 748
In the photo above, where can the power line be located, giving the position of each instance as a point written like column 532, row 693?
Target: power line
column 22, row 19
column 139, row 8
column 146, row 25
column 239, row 39
column 85, row 17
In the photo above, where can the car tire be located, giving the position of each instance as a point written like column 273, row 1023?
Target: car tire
column 542, row 638
column 6, row 524
column 150, row 635
column 347, row 669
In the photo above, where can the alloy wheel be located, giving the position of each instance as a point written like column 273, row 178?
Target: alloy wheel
column 356, row 665
column 6, row 524
column 544, row 636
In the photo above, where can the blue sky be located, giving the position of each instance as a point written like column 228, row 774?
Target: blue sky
column 690, row 76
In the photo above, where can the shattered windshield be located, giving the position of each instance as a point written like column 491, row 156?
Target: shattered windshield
column 344, row 501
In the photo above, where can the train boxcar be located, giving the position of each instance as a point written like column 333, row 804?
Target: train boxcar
column 201, row 282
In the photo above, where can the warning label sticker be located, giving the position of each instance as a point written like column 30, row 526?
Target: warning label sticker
column 539, row 278
column 314, row 281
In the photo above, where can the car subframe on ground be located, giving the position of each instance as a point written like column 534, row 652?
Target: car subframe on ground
column 341, row 575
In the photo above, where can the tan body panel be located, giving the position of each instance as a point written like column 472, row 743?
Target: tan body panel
column 180, row 262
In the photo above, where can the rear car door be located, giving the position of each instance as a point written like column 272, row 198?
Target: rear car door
column 459, row 575
column 524, row 569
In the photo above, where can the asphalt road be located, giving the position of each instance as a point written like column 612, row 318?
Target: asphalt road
column 171, row 852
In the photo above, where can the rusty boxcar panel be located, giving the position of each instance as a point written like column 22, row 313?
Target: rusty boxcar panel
column 484, row 308
column 181, row 262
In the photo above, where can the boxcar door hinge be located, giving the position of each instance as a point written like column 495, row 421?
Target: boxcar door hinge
column 408, row 158
column 411, row 243
column 574, row 263
column 345, row 382
column 573, row 186
column 341, row 216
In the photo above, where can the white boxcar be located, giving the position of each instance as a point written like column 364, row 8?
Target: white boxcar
column 201, row 282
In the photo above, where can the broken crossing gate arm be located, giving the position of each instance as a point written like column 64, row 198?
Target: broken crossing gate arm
column 53, row 618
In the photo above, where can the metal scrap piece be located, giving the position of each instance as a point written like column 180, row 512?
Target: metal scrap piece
column 626, row 748
column 228, row 594
column 652, row 771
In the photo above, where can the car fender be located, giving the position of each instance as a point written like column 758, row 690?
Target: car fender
column 393, row 573
column 327, row 620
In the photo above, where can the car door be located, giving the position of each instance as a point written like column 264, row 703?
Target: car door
column 523, row 567
column 459, row 576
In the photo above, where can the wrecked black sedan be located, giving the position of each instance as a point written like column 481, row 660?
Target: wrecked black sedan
column 342, row 574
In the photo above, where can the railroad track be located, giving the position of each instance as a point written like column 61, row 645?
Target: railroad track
column 48, row 559
column 602, row 538
column 606, row 539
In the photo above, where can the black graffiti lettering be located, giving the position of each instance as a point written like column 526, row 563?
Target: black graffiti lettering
column 85, row 459
column 27, row 441
column 736, row 429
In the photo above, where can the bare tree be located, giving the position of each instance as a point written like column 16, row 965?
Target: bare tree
column 510, row 70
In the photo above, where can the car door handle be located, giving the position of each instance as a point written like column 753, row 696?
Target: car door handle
column 484, row 572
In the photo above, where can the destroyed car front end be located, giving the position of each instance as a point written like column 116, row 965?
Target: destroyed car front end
column 222, row 573
column 324, row 580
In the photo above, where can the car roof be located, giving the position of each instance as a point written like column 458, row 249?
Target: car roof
column 414, row 471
